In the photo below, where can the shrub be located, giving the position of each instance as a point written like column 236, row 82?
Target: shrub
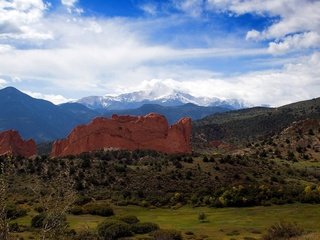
column 205, row 159
column 14, row 227
column 110, row 230
column 202, row 217
column 85, row 235
column 283, row 230
column 14, row 212
column 129, row 219
column 39, row 209
column 82, row 200
column 41, row 219
column 38, row 220
column 142, row 228
column 167, row 235
column 77, row 210
column 100, row 209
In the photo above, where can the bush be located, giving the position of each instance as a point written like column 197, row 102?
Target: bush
column 41, row 219
column 129, row 219
column 167, row 235
column 85, row 235
column 100, row 209
column 37, row 221
column 39, row 209
column 77, row 210
column 110, row 230
column 14, row 227
column 202, row 216
column 14, row 212
column 283, row 230
column 142, row 228
column 82, row 200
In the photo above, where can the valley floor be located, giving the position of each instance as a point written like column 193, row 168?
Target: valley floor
column 221, row 224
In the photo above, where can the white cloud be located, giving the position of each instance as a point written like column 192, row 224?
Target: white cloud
column 149, row 8
column 56, row 99
column 20, row 18
column 294, row 82
column 77, row 55
column 2, row 82
column 5, row 48
column 298, row 19
column 69, row 3
column 253, row 35
column 193, row 8
column 87, row 53
column 296, row 42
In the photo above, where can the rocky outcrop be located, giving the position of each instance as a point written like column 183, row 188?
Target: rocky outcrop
column 12, row 144
column 150, row 132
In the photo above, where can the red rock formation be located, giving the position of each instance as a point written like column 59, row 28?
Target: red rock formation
column 127, row 132
column 11, row 143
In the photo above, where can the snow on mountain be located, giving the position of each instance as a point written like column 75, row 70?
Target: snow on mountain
column 158, row 94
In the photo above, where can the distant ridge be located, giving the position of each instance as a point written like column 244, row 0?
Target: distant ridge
column 253, row 123
column 36, row 118
column 172, row 113
column 160, row 94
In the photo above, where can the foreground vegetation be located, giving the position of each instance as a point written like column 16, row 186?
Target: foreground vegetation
column 229, row 193
column 227, row 223
column 89, row 196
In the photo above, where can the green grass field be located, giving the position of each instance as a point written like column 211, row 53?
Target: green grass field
column 223, row 223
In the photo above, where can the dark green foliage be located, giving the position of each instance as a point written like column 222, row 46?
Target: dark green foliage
column 82, row 200
column 100, row 209
column 39, row 209
column 38, row 220
column 283, row 230
column 111, row 229
column 202, row 216
column 129, row 219
column 142, row 228
column 167, row 235
column 77, row 210
column 85, row 235
column 156, row 181
column 291, row 156
column 86, row 162
column 120, row 168
column 14, row 211
column 14, row 227
column 311, row 132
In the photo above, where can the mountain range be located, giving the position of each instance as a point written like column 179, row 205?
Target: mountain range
column 159, row 94
column 43, row 121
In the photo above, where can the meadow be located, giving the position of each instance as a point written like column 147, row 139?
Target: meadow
column 220, row 224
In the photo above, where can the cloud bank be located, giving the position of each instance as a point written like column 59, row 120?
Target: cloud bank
column 62, row 55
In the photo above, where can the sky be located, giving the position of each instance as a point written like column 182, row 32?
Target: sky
column 258, row 51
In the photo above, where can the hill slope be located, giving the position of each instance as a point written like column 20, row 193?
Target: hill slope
column 250, row 124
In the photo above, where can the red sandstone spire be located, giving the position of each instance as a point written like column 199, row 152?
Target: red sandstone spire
column 11, row 143
column 127, row 132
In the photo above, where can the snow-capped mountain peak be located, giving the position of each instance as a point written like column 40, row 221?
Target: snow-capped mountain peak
column 158, row 94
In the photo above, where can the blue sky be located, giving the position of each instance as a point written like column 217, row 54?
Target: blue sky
column 262, row 52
